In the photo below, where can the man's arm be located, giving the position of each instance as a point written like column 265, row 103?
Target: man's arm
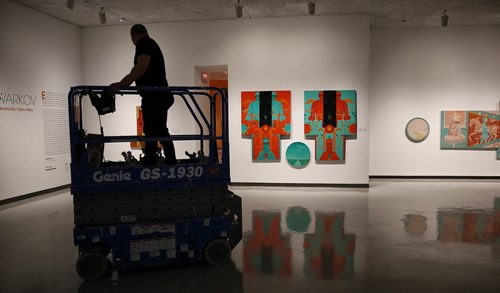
column 137, row 71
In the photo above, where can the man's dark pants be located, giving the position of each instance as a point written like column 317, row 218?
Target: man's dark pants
column 154, row 113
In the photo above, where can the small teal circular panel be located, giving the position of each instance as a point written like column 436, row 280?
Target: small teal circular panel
column 298, row 155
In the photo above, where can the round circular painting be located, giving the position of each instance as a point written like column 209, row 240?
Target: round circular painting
column 298, row 155
column 417, row 129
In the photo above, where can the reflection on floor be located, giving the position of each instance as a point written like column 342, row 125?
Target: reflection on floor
column 398, row 236
column 265, row 249
column 478, row 226
column 329, row 252
column 448, row 241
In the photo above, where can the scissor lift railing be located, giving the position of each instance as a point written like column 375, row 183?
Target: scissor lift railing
column 112, row 177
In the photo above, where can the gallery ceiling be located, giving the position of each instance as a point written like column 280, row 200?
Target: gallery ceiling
column 383, row 13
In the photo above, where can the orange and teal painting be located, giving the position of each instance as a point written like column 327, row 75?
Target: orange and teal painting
column 330, row 119
column 470, row 130
column 265, row 118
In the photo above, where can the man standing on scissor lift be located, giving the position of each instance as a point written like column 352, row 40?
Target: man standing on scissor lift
column 149, row 70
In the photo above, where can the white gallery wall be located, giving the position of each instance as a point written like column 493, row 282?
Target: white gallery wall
column 37, row 53
column 296, row 53
column 398, row 73
column 419, row 73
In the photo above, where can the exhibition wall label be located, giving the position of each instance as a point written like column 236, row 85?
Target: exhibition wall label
column 18, row 101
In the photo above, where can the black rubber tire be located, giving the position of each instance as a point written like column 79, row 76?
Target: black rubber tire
column 92, row 266
column 217, row 252
column 102, row 248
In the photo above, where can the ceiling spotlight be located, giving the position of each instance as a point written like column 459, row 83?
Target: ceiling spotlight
column 102, row 15
column 444, row 19
column 70, row 4
column 312, row 7
column 239, row 9
column 122, row 19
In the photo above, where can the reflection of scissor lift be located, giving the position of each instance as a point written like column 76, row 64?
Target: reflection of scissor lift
column 131, row 215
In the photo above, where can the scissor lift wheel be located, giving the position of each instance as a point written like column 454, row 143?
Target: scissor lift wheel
column 217, row 252
column 92, row 265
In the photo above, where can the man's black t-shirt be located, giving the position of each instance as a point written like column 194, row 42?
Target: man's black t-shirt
column 155, row 74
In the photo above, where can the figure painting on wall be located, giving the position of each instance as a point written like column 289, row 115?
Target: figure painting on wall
column 265, row 118
column 330, row 118
column 454, row 128
column 470, row 130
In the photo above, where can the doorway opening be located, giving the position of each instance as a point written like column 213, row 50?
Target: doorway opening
column 213, row 76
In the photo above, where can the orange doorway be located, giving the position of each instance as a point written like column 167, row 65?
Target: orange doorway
column 214, row 76
column 218, row 106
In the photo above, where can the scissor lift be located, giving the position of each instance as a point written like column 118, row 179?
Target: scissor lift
column 131, row 215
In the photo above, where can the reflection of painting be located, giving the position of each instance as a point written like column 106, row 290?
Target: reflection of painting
column 298, row 219
column 330, row 118
column 265, row 118
column 329, row 252
column 137, row 145
column 470, row 226
column 265, row 249
column 298, row 155
column 415, row 224
column 470, row 130
column 417, row 130
column 475, row 227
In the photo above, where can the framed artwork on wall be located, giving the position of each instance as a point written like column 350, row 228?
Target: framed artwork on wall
column 265, row 118
column 417, row 130
column 330, row 119
column 470, row 130
column 298, row 155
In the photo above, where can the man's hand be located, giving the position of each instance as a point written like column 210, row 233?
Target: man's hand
column 115, row 87
column 137, row 71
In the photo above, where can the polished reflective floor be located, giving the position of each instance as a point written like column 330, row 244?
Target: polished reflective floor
column 398, row 236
